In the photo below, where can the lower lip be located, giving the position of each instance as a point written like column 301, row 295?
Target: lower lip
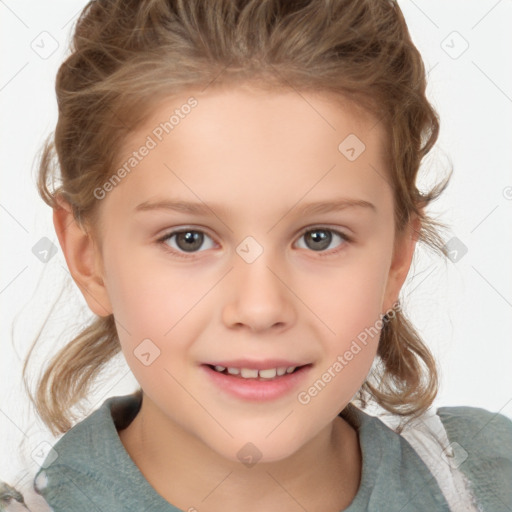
column 255, row 389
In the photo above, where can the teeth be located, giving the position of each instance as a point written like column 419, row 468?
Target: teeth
column 249, row 373
column 268, row 374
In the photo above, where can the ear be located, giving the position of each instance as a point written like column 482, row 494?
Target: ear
column 403, row 253
column 83, row 259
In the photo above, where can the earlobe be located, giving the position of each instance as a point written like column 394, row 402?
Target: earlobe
column 82, row 258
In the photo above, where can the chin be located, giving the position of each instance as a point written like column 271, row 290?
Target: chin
column 257, row 450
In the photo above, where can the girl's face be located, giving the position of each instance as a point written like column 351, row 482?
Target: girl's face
column 285, row 258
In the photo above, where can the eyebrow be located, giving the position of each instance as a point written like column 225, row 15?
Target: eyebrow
column 198, row 208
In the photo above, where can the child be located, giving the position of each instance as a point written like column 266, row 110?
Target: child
column 205, row 147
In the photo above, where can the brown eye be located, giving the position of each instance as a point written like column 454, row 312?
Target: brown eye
column 188, row 240
column 319, row 239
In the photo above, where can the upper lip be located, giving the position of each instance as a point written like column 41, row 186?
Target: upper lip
column 265, row 364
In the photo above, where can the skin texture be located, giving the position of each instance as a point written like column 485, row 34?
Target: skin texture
column 254, row 158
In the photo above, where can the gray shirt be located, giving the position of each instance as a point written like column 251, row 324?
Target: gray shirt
column 94, row 472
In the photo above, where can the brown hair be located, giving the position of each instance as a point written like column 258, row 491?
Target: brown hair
column 126, row 55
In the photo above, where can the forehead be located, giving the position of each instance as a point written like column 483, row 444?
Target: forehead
column 281, row 115
column 248, row 144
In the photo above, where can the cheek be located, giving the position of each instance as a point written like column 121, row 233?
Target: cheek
column 348, row 302
column 152, row 302
column 147, row 294
column 154, row 312
column 348, row 297
column 350, row 345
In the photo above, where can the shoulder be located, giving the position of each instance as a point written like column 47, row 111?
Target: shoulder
column 89, row 468
column 474, row 421
column 72, row 470
column 480, row 445
column 469, row 452
column 481, row 433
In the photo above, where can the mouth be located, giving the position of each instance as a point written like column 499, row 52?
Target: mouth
column 255, row 374
column 257, row 385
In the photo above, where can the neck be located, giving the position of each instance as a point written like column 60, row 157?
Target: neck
column 324, row 473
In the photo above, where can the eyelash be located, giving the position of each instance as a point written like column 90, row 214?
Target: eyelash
column 181, row 254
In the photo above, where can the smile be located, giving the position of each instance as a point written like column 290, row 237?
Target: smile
column 249, row 373
column 257, row 385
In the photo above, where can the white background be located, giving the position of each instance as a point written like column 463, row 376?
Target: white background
column 463, row 309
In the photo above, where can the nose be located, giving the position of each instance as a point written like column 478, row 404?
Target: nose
column 258, row 297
